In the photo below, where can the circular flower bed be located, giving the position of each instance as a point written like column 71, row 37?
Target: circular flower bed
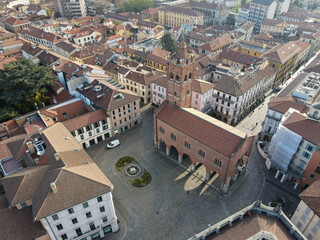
column 133, row 172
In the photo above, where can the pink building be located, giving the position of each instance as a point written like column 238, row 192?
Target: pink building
column 159, row 91
column 201, row 95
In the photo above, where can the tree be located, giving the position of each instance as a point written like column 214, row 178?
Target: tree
column 168, row 43
column 23, row 86
column 135, row 5
column 231, row 20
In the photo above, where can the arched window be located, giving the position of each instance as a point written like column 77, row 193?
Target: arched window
column 173, row 137
column 185, row 78
column 202, row 153
column 171, row 75
column 189, row 75
column 218, row 162
column 177, row 78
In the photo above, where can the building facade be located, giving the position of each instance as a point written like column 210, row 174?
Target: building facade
column 195, row 140
column 72, row 8
column 260, row 10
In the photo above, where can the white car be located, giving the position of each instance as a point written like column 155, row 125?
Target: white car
column 113, row 144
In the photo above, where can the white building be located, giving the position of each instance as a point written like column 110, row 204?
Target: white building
column 293, row 145
column 260, row 10
column 282, row 7
column 235, row 97
column 90, row 128
column 202, row 92
column 67, row 191
column 72, row 8
column 277, row 107
column 86, row 36
column 243, row 14
column 307, row 215
column 12, row 3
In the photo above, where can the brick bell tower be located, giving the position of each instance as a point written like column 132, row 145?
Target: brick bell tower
column 180, row 75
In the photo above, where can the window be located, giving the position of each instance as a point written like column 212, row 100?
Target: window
column 78, row 231
column 74, row 220
column 64, row 237
column 97, row 130
column 73, row 133
column 70, row 210
column 307, row 211
column 102, row 209
column 317, row 170
column 88, row 214
column 99, row 199
column 85, row 204
column 309, row 237
column 187, row 145
column 65, row 115
column 81, row 137
column 173, row 137
column 55, row 217
column 307, row 155
column 90, row 133
column 202, row 153
column 88, row 128
column 104, row 121
column 217, row 162
column 92, row 226
column 312, row 176
column 96, row 124
column 161, row 130
column 309, row 148
column 80, row 131
column 59, row 227
column 104, row 219
column 23, row 205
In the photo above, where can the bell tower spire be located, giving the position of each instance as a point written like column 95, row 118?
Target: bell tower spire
column 180, row 76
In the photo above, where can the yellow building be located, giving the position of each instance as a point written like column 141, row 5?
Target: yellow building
column 283, row 58
column 156, row 62
column 173, row 16
column 255, row 49
column 152, row 14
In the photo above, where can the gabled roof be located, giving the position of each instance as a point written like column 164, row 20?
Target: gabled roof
column 144, row 79
column 282, row 105
column 201, row 86
column 162, row 81
column 75, row 175
column 108, row 100
column 160, row 52
column 150, row 11
column 217, row 43
column 311, row 196
column 85, row 120
column 47, row 58
column 66, row 46
column 306, row 128
column 157, row 59
column 181, row 10
column 241, row 58
column 207, row 130
column 282, row 53
column 15, row 22
column 21, row 186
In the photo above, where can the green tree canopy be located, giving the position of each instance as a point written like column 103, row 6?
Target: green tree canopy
column 231, row 20
column 168, row 43
column 135, row 5
column 23, row 85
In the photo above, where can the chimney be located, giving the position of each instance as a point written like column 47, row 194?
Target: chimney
column 7, row 129
column 56, row 156
column 31, row 148
column 53, row 187
column 40, row 131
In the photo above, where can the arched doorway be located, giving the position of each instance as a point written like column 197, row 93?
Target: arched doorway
column 173, row 153
column 186, row 160
column 225, row 120
column 162, row 146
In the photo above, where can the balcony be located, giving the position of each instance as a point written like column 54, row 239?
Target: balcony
column 296, row 169
column 224, row 98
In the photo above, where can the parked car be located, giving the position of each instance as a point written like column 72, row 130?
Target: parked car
column 113, row 144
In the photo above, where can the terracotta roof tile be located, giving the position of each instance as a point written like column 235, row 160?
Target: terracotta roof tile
column 219, row 136
column 282, row 105
column 311, row 196
column 85, row 119
column 201, row 86
column 307, row 128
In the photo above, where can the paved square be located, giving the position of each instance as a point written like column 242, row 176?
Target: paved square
column 163, row 209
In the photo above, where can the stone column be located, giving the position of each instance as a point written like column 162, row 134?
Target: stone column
column 283, row 178
column 114, row 226
column 167, row 151
column 193, row 167
column 180, row 158
column 277, row 174
column 207, row 176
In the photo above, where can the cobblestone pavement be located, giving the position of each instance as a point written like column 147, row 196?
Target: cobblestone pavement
column 176, row 204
